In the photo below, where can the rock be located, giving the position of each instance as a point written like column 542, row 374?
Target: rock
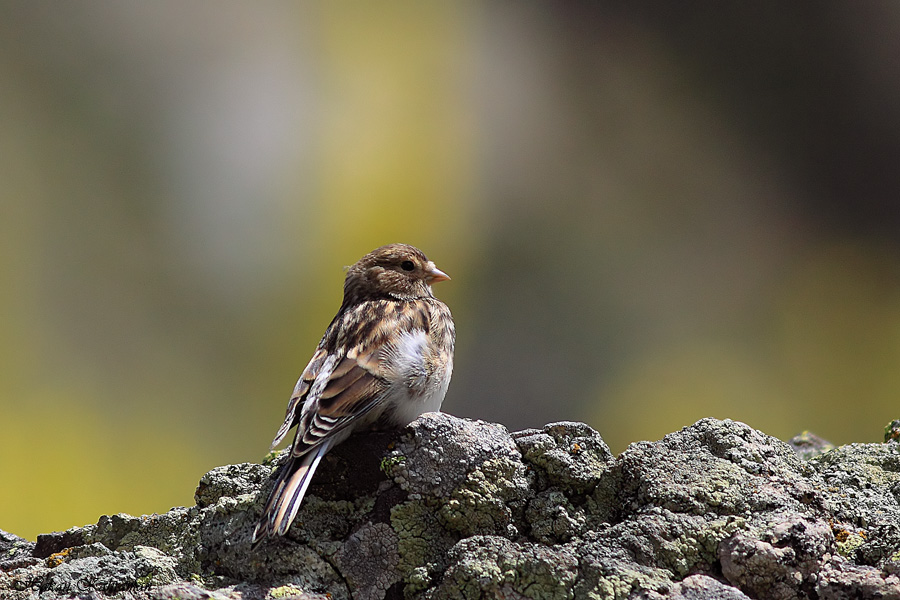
column 457, row 509
column 892, row 431
column 779, row 559
column 702, row 587
column 808, row 445
column 15, row 552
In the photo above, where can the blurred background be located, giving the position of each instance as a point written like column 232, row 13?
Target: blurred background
column 652, row 213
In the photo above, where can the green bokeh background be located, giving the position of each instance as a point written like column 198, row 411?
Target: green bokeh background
column 652, row 213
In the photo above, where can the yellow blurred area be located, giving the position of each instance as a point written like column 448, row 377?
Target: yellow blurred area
column 65, row 464
column 395, row 160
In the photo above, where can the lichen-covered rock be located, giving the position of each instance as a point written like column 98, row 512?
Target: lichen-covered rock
column 702, row 587
column 230, row 482
column 495, row 567
column 780, row 559
column 865, row 512
column 892, row 431
column 571, row 456
column 808, row 445
column 15, row 552
column 456, row 509
column 471, row 472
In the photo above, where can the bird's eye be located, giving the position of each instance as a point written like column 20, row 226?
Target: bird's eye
column 407, row 265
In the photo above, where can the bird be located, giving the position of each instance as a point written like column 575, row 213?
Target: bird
column 385, row 358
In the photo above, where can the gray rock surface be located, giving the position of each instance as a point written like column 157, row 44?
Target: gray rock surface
column 456, row 509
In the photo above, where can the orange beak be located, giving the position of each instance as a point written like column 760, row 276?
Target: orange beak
column 435, row 274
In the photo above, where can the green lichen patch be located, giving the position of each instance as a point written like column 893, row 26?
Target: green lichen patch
column 569, row 455
column 481, row 503
column 493, row 567
column 389, row 463
column 422, row 540
column 848, row 541
column 284, row 591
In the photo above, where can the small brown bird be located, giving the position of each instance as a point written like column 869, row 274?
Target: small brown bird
column 385, row 359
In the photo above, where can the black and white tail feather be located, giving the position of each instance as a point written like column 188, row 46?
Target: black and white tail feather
column 284, row 502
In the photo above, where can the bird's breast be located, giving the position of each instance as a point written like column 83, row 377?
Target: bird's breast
column 419, row 377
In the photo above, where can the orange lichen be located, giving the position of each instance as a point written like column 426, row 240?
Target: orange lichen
column 54, row 560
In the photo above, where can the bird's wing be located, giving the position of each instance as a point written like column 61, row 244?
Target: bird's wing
column 355, row 386
column 331, row 393
column 292, row 415
column 343, row 384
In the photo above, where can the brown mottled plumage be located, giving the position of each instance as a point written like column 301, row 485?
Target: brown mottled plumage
column 386, row 358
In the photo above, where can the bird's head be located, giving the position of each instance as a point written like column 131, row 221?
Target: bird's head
column 396, row 271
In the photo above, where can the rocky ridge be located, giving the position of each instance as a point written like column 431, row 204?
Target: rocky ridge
column 457, row 509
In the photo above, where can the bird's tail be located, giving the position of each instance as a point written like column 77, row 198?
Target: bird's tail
column 284, row 501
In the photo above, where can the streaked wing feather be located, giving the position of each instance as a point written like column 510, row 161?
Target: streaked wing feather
column 330, row 415
column 345, row 374
column 342, row 368
column 293, row 412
